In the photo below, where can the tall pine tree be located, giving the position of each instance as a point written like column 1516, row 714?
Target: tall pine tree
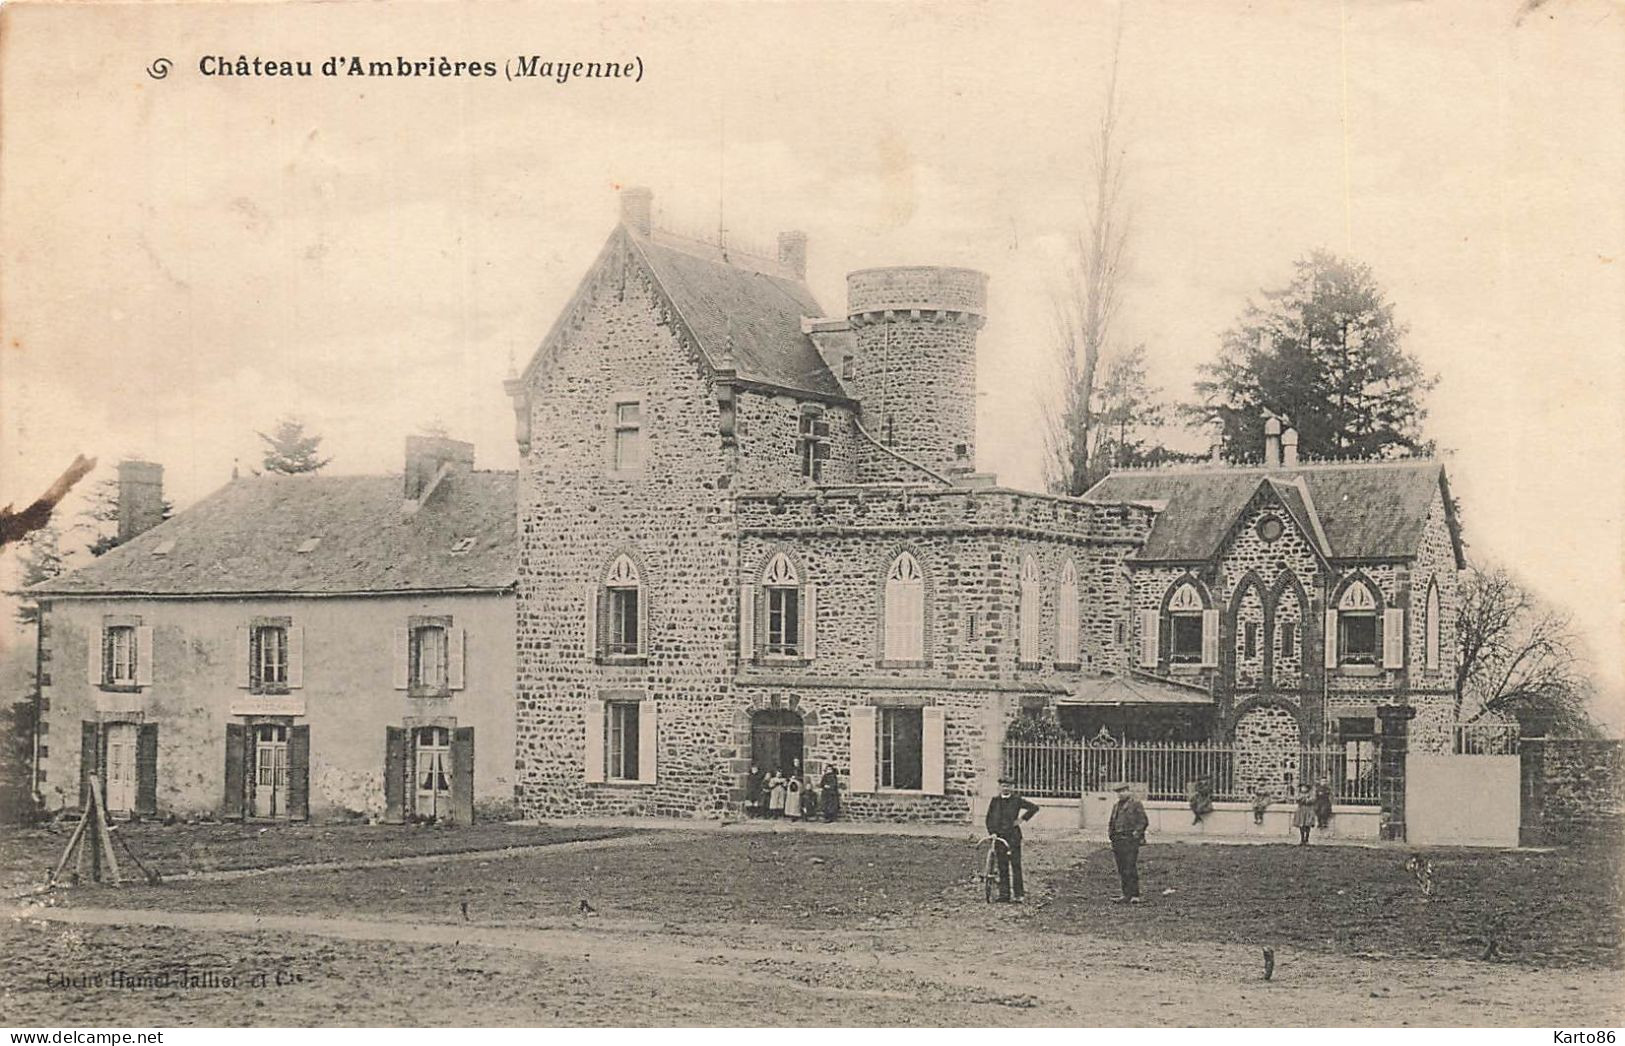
column 290, row 451
column 1326, row 354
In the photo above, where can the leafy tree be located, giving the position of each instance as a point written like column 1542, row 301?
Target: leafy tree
column 1324, row 353
column 1128, row 412
column 1518, row 656
column 290, row 451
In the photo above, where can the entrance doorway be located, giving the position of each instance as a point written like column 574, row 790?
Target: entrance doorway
column 433, row 762
column 776, row 740
column 270, row 770
column 120, row 768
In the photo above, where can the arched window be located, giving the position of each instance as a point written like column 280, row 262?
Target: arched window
column 1432, row 625
column 1031, row 604
column 1066, row 615
column 782, row 590
column 1185, row 619
column 905, row 610
column 622, row 609
column 1357, row 626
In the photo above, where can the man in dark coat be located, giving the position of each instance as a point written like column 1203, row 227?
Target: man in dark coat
column 754, row 799
column 1126, row 830
column 1005, row 813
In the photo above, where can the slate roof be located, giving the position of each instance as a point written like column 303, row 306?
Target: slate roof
column 244, row 539
column 745, row 315
column 1133, row 690
column 1366, row 510
column 744, row 319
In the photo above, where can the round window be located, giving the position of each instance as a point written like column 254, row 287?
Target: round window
column 1269, row 528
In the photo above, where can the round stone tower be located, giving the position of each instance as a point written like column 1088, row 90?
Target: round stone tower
column 914, row 367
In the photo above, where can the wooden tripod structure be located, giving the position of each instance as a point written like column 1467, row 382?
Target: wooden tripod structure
column 92, row 841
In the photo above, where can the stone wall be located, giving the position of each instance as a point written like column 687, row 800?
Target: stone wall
column 675, row 516
column 1573, row 790
column 769, row 441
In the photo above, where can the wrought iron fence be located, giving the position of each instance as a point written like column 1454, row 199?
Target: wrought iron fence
column 1168, row 769
column 1486, row 738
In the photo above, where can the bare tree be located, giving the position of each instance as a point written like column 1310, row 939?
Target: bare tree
column 1085, row 304
column 1517, row 655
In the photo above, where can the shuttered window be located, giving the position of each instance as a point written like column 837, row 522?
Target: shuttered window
column 902, row 736
column 904, row 637
column 1066, row 615
column 1031, row 610
column 1356, row 624
column 1185, row 626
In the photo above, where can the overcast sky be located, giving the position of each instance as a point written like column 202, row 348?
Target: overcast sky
column 187, row 259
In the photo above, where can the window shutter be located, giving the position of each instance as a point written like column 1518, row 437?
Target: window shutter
column 402, row 663
column 1150, row 620
column 1393, row 637
column 296, row 656
column 245, row 655
column 236, row 769
column 395, row 771
column 747, row 623
column 809, row 621
column 1066, row 631
column 462, row 775
column 862, row 771
column 648, row 736
column 456, row 649
column 933, row 750
column 595, row 741
column 1331, row 638
column 94, row 672
column 911, row 624
column 1210, row 638
column 143, row 655
column 589, row 611
column 299, row 772
column 146, row 769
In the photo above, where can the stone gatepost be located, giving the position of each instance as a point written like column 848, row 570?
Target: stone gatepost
column 1394, row 744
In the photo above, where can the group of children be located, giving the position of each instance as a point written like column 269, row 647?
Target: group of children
column 1314, row 806
column 780, row 794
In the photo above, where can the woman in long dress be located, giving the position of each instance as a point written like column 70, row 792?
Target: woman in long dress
column 775, row 795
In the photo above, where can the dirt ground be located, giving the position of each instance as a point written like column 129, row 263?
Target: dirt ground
column 27, row 855
column 698, row 928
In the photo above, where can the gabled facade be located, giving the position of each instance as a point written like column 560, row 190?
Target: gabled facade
column 292, row 647
column 751, row 534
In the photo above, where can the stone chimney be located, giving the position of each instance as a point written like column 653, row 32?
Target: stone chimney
column 1272, row 442
column 793, row 253
column 140, row 498
column 1289, row 447
column 637, row 209
column 430, row 462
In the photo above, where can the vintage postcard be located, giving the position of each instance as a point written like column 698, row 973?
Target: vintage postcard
column 812, row 514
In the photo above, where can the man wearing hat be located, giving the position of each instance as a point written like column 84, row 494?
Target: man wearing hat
column 1126, row 830
column 1005, row 813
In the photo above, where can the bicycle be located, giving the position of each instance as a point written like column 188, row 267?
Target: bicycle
column 990, row 866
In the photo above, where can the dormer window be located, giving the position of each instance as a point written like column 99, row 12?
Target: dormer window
column 308, row 545
column 1357, row 626
column 1185, row 627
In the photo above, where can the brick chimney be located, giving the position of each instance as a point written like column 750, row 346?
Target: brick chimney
column 637, row 209
column 140, row 498
column 1289, row 447
column 793, row 253
column 432, row 461
column 1272, row 442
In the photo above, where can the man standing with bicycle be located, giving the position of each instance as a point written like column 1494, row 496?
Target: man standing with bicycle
column 1005, row 813
column 1126, row 830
